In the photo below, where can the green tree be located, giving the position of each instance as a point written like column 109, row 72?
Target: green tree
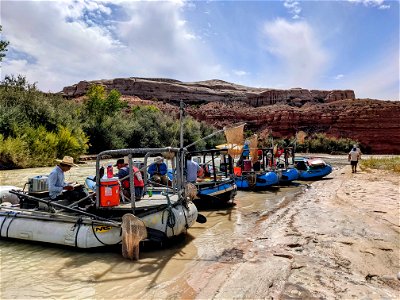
column 3, row 46
column 99, row 104
column 104, row 123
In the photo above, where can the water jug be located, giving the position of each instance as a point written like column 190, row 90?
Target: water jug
column 110, row 173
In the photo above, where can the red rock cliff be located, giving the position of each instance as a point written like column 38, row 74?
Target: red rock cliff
column 373, row 123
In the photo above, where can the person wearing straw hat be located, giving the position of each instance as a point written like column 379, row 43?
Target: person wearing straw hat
column 58, row 188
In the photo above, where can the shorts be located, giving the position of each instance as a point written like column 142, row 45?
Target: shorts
column 354, row 162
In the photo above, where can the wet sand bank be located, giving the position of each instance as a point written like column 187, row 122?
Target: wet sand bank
column 339, row 239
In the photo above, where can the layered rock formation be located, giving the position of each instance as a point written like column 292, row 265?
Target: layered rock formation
column 173, row 91
column 374, row 123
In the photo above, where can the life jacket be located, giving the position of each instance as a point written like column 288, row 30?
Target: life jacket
column 279, row 152
column 137, row 179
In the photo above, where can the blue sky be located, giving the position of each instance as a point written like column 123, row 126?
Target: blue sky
column 271, row 44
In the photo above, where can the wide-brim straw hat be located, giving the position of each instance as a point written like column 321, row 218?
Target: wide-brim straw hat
column 67, row 160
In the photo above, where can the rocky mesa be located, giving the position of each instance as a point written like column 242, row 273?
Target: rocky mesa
column 374, row 123
column 173, row 91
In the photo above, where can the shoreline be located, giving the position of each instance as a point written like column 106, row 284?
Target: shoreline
column 338, row 239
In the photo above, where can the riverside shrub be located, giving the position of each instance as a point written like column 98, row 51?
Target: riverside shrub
column 321, row 143
column 35, row 127
column 382, row 163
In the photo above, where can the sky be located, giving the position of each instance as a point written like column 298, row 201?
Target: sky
column 326, row 45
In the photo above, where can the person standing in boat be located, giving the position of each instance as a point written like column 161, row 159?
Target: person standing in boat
column 123, row 173
column 354, row 156
column 58, row 188
column 158, row 171
column 193, row 169
column 245, row 153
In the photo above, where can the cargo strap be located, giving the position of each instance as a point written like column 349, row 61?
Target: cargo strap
column 13, row 215
column 78, row 224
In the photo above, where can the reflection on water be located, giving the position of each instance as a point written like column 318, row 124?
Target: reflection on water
column 37, row 270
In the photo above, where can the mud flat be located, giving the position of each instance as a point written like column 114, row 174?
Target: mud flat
column 339, row 239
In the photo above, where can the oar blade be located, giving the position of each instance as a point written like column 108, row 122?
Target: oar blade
column 133, row 231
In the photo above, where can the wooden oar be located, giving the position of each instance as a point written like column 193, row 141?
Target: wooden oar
column 52, row 203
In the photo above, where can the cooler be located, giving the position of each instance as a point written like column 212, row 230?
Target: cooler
column 247, row 165
column 109, row 192
column 38, row 184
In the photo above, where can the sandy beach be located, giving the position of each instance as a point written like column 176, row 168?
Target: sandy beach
column 337, row 240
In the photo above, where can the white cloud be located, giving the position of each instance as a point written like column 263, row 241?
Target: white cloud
column 372, row 3
column 301, row 57
column 240, row 73
column 68, row 44
column 293, row 8
column 339, row 76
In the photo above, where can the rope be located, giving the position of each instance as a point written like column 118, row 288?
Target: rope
column 78, row 223
column 95, row 235
column 171, row 220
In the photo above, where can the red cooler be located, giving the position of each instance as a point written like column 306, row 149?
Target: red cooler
column 109, row 192
column 247, row 165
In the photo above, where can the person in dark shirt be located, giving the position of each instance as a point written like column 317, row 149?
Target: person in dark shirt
column 123, row 173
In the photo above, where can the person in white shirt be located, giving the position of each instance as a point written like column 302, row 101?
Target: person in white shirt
column 56, row 182
column 359, row 151
column 61, row 190
column 354, row 156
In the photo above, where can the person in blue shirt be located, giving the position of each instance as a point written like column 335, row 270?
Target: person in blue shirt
column 245, row 153
column 192, row 168
column 58, row 188
column 57, row 184
column 246, row 150
column 158, row 171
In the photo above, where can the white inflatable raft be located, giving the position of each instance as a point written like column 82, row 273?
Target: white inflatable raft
column 162, row 221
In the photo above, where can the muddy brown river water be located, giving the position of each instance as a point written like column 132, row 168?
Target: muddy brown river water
column 36, row 270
